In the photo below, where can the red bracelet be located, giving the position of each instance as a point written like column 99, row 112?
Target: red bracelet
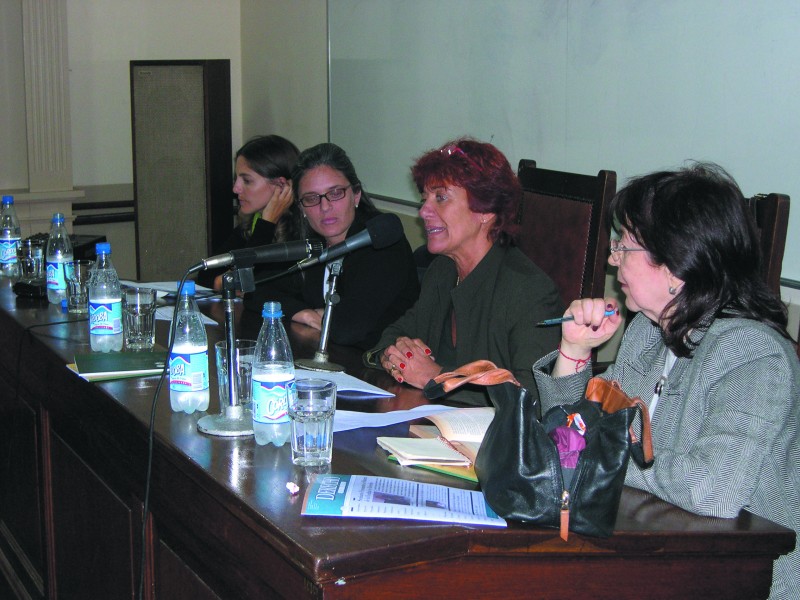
column 579, row 362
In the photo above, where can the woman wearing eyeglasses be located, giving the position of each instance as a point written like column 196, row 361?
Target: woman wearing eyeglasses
column 375, row 286
column 481, row 298
column 262, row 184
column 708, row 351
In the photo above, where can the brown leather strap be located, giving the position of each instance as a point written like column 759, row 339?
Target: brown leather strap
column 611, row 399
column 479, row 372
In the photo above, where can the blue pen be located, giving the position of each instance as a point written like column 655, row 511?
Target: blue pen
column 566, row 318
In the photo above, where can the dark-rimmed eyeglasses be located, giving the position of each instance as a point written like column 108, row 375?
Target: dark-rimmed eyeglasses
column 333, row 195
column 452, row 149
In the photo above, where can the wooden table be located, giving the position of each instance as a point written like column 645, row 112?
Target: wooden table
column 73, row 459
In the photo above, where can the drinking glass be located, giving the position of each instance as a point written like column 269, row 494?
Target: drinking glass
column 139, row 318
column 243, row 356
column 311, row 410
column 76, row 274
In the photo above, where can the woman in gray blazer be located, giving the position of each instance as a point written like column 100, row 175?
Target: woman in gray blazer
column 708, row 351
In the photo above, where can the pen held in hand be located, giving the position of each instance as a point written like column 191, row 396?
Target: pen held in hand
column 566, row 318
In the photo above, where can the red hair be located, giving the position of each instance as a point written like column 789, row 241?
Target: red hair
column 484, row 172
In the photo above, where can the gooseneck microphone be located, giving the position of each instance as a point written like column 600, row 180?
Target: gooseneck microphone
column 381, row 232
column 247, row 257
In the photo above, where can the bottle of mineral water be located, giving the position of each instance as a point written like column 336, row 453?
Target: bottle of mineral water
column 105, row 303
column 59, row 251
column 273, row 379
column 188, row 361
column 9, row 239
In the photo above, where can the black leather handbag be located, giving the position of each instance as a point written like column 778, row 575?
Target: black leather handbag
column 519, row 467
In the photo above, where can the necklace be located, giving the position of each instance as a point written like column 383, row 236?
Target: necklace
column 669, row 362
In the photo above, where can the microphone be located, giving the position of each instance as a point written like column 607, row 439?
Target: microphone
column 247, row 257
column 381, row 232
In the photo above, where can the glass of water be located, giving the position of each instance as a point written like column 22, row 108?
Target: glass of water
column 311, row 410
column 243, row 356
column 139, row 318
column 76, row 273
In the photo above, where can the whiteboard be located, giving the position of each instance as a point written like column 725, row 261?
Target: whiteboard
column 577, row 85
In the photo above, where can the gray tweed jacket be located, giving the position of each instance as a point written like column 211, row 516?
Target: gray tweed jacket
column 725, row 429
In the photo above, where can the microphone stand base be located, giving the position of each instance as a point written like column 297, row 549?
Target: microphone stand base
column 312, row 364
column 234, row 421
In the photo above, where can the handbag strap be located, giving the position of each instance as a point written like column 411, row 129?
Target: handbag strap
column 479, row 372
column 611, row 398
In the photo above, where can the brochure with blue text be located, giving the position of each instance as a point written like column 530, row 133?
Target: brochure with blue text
column 388, row 498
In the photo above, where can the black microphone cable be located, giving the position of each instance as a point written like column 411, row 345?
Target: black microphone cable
column 151, row 437
column 25, row 334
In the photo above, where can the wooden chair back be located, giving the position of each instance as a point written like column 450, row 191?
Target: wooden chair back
column 771, row 214
column 563, row 227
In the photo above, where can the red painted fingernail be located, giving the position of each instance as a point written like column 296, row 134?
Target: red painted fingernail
column 409, row 355
column 608, row 307
column 399, row 380
column 427, row 351
column 595, row 328
column 402, row 365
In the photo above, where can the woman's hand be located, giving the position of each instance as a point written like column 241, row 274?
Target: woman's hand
column 279, row 202
column 589, row 328
column 410, row 361
column 309, row 316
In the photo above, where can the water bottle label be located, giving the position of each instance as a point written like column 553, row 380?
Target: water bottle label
column 8, row 252
column 105, row 318
column 55, row 276
column 188, row 372
column 270, row 401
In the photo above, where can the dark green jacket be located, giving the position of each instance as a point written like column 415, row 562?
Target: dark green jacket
column 497, row 307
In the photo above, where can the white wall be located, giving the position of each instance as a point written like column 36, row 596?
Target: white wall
column 13, row 141
column 284, row 70
column 103, row 37
column 577, row 85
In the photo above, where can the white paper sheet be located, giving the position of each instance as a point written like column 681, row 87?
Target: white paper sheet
column 345, row 420
column 344, row 382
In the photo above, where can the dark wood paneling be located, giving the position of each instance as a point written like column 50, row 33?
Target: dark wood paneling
column 94, row 531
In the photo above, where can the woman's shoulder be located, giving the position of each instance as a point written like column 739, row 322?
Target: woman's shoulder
column 514, row 264
column 735, row 342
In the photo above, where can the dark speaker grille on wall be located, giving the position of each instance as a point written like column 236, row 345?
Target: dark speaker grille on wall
column 182, row 163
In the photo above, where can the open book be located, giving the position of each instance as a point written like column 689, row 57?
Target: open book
column 454, row 440
column 388, row 498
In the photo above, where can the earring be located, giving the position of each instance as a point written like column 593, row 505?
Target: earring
column 672, row 291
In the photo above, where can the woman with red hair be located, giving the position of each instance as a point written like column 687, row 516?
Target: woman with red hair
column 481, row 297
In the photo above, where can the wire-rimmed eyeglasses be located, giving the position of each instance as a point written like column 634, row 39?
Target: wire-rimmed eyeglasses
column 333, row 195
column 616, row 248
column 452, row 149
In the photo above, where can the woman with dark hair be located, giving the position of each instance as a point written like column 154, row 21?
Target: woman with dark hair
column 375, row 286
column 263, row 186
column 708, row 350
column 482, row 297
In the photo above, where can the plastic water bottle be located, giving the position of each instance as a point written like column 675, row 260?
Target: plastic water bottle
column 59, row 251
column 9, row 239
column 273, row 379
column 188, row 361
column 105, row 303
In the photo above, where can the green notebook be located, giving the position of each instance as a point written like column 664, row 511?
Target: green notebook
column 102, row 366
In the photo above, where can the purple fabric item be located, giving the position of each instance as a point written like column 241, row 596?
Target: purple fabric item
column 569, row 443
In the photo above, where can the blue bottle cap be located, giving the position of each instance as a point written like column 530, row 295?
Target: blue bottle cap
column 102, row 248
column 188, row 287
column 8, row 200
column 58, row 217
column 272, row 310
